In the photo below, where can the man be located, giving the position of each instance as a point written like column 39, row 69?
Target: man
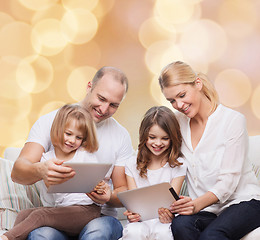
column 104, row 95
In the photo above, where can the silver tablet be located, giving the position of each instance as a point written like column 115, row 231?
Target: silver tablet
column 147, row 200
column 87, row 176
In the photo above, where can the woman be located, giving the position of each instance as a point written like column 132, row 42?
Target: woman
column 224, row 195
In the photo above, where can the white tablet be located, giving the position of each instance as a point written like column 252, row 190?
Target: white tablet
column 87, row 176
column 147, row 200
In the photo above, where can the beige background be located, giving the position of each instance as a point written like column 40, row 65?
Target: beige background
column 49, row 49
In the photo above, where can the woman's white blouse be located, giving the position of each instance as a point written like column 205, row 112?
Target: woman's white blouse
column 219, row 163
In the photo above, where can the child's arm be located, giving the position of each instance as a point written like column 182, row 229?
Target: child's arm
column 131, row 217
column 130, row 182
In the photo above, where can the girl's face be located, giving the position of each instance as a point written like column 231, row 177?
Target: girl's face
column 185, row 98
column 158, row 140
column 73, row 137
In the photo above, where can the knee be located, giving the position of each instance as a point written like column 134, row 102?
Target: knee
column 46, row 233
column 106, row 227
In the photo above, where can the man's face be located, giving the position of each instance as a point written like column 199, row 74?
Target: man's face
column 103, row 101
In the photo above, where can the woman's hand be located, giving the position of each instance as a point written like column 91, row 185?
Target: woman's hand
column 132, row 217
column 184, row 206
column 165, row 215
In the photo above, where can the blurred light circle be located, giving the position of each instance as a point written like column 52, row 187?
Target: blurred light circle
column 9, row 88
column 239, row 18
column 174, row 11
column 15, row 110
column 5, row 19
column 47, row 38
column 234, row 87
column 156, row 93
column 103, row 8
column 155, row 53
column 77, row 82
column 255, row 102
column 83, row 4
column 56, row 11
column 151, row 32
column 50, row 106
column 79, row 26
column 37, row 5
column 15, row 40
column 79, row 55
column 13, row 131
column 34, row 74
column 204, row 40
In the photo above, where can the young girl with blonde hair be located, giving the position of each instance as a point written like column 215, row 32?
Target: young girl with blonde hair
column 74, row 139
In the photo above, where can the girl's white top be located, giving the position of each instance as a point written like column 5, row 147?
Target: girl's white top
column 65, row 199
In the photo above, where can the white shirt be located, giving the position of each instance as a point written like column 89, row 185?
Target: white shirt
column 65, row 199
column 115, row 144
column 219, row 163
column 163, row 174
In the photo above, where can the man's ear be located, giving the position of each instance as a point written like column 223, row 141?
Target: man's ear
column 89, row 86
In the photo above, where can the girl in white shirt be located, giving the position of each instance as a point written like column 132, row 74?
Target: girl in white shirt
column 224, row 195
column 72, row 134
column 158, row 160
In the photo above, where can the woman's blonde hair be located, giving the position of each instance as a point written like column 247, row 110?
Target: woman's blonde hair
column 179, row 72
column 166, row 120
column 84, row 123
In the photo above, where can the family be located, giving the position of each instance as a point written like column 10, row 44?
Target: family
column 204, row 143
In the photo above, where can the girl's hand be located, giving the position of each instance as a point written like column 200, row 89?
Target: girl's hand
column 165, row 215
column 102, row 188
column 132, row 217
column 101, row 193
column 184, row 206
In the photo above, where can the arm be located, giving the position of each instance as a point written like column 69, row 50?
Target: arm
column 28, row 169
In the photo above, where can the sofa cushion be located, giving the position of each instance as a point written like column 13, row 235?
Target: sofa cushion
column 13, row 196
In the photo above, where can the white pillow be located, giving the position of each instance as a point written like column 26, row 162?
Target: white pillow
column 13, row 196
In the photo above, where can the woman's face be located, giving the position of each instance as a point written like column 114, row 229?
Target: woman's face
column 185, row 98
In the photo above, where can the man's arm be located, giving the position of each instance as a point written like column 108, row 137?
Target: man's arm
column 28, row 169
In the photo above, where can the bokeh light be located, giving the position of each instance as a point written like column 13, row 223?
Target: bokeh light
column 50, row 49
column 77, row 82
column 47, row 37
column 234, row 87
column 79, row 25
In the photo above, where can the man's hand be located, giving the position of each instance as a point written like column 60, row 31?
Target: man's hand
column 54, row 173
column 132, row 217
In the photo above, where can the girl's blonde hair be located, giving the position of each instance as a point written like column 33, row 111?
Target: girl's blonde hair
column 165, row 119
column 179, row 72
column 84, row 123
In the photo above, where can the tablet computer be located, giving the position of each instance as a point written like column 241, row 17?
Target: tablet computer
column 147, row 200
column 87, row 176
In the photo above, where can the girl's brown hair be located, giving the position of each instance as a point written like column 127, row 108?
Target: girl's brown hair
column 85, row 124
column 179, row 72
column 165, row 119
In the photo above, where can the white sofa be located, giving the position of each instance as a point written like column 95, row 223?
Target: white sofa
column 15, row 197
